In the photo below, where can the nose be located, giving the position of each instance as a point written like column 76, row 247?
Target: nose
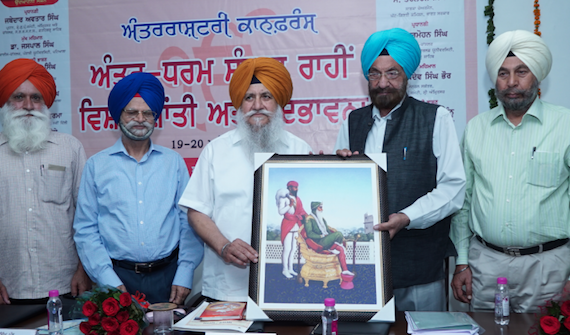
column 140, row 118
column 257, row 105
column 512, row 81
column 383, row 82
column 27, row 104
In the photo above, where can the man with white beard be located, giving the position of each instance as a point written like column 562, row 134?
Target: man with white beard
column 39, row 180
column 130, row 231
column 219, row 196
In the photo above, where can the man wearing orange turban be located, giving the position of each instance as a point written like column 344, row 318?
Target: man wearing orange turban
column 39, row 178
column 219, row 196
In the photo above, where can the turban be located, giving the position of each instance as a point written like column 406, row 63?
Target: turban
column 400, row 44
column 528, row 47
column 315, row 205
column 293, row 183
column 18, row 71
column 143, row 83
column 270, row 72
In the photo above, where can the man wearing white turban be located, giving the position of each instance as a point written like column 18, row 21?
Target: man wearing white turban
column 425, row 178
column 515, row 219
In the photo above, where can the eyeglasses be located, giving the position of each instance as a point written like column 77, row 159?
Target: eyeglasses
column 390, row 75
column 131, row 114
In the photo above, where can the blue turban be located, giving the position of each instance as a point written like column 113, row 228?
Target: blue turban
column 400, row 44
column 143, row 83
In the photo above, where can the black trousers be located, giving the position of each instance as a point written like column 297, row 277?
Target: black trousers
column 155, row 285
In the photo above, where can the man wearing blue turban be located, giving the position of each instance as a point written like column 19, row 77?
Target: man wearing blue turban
column 129, row 230
column 425, row 176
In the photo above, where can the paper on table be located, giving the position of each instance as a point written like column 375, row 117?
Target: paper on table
column 190, row 323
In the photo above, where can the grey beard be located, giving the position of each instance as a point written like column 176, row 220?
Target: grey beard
column 134, row 137
column 25, row 133
column 258, row 138
column 521, row 104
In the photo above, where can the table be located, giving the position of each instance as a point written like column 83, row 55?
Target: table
column 519, row 325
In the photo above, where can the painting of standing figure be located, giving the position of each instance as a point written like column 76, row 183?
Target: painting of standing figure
column 313, row 229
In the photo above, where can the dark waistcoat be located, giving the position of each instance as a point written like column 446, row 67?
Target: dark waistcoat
column 417, row 254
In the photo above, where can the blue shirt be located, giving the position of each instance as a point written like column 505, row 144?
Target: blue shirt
column 128, row 210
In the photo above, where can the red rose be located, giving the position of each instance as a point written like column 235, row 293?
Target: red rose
column 550, row 324
column 85, row 327
column 94, row 319
column 567, row 323
column 125, row 299
column 131, row 327
column 116, row 332
column 110, row 306
column 110, row 324
column 122, row 316
column 565, row 308
column 89, row 308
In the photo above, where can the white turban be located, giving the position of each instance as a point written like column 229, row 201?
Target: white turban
column 528, row 47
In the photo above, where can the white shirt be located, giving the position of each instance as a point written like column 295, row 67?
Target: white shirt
column 221, row 187
column 447, row 196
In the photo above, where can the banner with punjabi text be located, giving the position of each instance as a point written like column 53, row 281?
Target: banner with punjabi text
column 193, row 47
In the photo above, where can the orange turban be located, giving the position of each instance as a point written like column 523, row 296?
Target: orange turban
column 270, row 72
column 18, row 71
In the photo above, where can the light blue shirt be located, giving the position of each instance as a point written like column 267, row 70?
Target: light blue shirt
column 128, row 210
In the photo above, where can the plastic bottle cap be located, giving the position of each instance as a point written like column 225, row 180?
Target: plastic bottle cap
column 53, row 293
column 501, row 280
column 329, row 302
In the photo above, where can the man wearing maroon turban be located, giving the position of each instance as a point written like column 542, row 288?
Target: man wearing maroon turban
column 130, row 231
column 39, row 178
column 219, row 195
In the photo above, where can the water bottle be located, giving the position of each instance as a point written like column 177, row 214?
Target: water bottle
column 502, row 302
column 329, row 317
column 55, row 320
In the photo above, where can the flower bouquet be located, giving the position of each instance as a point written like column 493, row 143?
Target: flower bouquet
column 111, row 311
column 554, row 318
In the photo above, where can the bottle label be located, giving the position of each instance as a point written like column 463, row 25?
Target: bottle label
column 506, row 306
column 333, row 327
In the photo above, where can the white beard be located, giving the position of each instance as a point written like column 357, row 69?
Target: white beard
column 320, row 222
column 137, row 134
column 257, row 138
column 25, row 133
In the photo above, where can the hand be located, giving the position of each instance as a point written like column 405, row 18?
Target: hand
column 4, row 299
column 344, row 153
column 80, row 281
column 122, row 288
column 178, row 294
column 240, row 253
column 320, row 153
column 459, row 280
column 395, row 223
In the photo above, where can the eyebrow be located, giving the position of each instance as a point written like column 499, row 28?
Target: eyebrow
column 393, row 68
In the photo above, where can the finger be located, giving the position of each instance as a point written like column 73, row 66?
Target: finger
column 74, row 288
column 468, row 286
column 172, row 294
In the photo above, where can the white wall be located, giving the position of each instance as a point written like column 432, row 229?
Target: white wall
column 555, row 26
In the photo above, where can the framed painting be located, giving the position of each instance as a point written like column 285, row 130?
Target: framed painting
column 313, row 219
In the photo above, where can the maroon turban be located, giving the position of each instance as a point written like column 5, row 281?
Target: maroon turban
column 18, row 71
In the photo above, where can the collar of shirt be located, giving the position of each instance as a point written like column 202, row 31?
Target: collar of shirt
column 535, row 111
column 376, row 113
column 119, row 148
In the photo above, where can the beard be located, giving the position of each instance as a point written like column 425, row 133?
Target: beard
column 257, row 137
column 293, row 193
column 137, row 134
column 389, row 101
column 521, row 103
column 25, row 130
